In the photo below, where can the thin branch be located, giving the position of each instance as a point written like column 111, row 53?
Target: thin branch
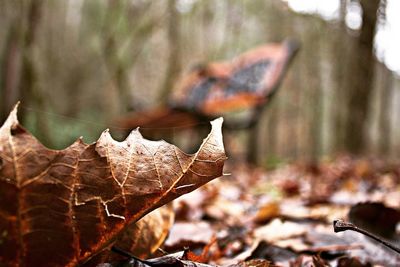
column 129, row 255
column 340, row 226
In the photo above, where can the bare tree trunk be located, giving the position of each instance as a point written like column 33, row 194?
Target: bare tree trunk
column 315, row 91
column 340, row 53
column 28, row 72
column 31, row 93
column 342, row 13
column 174, row 61
column 118, row 65
column 272, row 128
column 119, row 82
column 384, row 114
column 275, row 30
column 253, row 148
column 9, row 73
column 360, row 83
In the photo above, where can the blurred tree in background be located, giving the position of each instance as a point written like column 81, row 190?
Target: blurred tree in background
column 78, row 64
column 360, row 77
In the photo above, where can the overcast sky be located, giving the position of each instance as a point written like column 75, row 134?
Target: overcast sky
column 387, row 40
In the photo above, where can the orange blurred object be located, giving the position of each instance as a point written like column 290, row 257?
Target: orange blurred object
column 245, row 83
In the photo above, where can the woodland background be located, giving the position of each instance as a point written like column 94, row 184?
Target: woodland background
column 78, row 65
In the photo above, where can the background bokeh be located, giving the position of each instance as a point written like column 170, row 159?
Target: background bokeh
column 78, row 65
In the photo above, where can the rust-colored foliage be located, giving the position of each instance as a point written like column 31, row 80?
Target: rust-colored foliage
column 62, row 207
column 144, row 237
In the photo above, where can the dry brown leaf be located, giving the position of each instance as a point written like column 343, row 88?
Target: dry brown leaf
column 144, row 237
column 62, row 207
column 189, row 233
column 267, row 212
column 140, row 239
column 277, row 230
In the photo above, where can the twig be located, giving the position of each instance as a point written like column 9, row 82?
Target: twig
column 129, row 255
column 340, row 226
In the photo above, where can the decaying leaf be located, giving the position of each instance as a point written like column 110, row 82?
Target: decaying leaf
column 144, row 237
column 140, row 239
column 376, row 218
column 189, row 234
column 267, row 212
column 178, row 259
column 62, row 207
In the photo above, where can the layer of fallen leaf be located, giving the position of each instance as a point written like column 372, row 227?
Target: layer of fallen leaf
column 284, row 217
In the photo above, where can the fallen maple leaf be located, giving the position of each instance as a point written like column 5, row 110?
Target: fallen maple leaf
column 144, row 237
column 140, row 239
column 62, row 207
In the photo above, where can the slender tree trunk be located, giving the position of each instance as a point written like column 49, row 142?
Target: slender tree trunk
column 340, row 51
column 315, row 91
column 360, row 84
column 272, row 128
column 28, row 68
column 384, row 114
column 275, row 26
column 253, row 148
column 115, row 66
column 174, row 61
column 9, row 72
column 31, row 93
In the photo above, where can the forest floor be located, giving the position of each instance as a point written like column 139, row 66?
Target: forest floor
column 285, row 216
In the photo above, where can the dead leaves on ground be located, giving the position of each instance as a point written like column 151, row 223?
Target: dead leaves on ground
column 62, row 207
column 280, row 216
